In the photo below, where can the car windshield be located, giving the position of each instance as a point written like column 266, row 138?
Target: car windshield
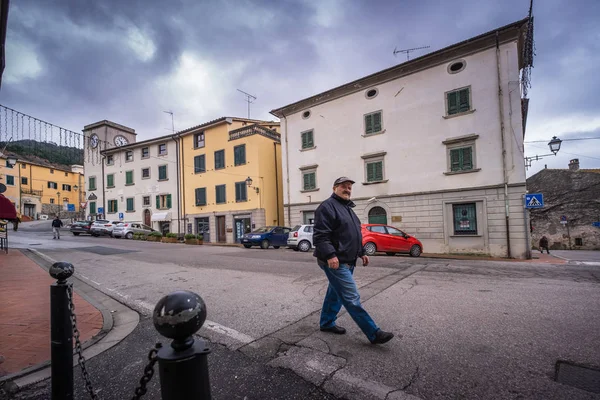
column 296, row 228
column 82, row 223
column 101, row 221
column 264, row 229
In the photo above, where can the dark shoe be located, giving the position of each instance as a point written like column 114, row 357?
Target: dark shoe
column 338, row 330
column 382, row 337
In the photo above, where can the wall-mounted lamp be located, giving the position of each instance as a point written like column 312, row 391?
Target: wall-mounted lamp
column 249, row 184
column 554, row 145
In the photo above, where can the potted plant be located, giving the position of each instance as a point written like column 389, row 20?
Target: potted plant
column 136, row 236
column 154, row 237
column 193, row 239
column 170, row 238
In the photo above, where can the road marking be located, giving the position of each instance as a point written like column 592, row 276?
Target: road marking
column 210, row 325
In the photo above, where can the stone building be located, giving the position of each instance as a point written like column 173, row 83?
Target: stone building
column 573, row 193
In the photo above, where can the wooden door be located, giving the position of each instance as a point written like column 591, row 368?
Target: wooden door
column 221, row 229
column 147, row 218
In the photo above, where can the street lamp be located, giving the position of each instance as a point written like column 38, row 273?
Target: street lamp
column 249, row 184
column 554, row 145
column 11, row 160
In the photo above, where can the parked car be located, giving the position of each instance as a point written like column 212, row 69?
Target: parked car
column 103, row 227
column 127, row 229
column 378, row 237
column 301, row 238
column 266, row 236
column 79, row 227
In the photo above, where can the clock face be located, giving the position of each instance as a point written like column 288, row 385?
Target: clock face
column 121, row 141
column 94, row 141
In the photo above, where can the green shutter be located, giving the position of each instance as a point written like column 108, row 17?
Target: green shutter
column 168, row 201
column 110, row 180
column 196, row 164
column 452, row 103
column 305, row 140
column 368, row 124
column 310, row 181
column 377, row 122
column 162, row 172
column 463, row 100
column 467, row 159
column 158, row 202
column 93, row 207
column 130, row 204
column 129, row 177
column 455, row 160
column 92, row 183
column 378, row 170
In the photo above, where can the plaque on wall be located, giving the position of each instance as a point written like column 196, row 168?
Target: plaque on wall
column 396, row 218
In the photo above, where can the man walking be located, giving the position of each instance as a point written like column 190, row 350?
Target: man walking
column 337, row 239
column 544, row 245
column 56, row 225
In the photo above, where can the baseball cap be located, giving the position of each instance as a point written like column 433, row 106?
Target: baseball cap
column 341, row 180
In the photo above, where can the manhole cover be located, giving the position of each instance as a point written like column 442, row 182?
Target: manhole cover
column 105, row 251
column 579, row 376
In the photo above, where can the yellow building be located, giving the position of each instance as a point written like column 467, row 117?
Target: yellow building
column 231, row 178
column 37, row 187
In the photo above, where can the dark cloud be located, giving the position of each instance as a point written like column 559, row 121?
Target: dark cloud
column 95, row 62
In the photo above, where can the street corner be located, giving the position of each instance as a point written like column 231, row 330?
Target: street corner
column 312, row 365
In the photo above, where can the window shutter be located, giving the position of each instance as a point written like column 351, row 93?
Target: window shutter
column 377, row 122
column 93, row 207
column 467, row 162
column 109, row 180
column 306, row 181
column 158, row 202
column 305, row 140
column 310, row 140
column 313, row 183
column 378, row 170
column 203, row 196
column 168, row 201
column 203, row 163
column 370, row 172
column 452, row 103
column 463, row 96
column 129, row 177
column 368, row 124
column 455, row 160
column 196, row 164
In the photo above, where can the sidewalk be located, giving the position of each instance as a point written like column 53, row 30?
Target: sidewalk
column 25, row 314
column 536, row 258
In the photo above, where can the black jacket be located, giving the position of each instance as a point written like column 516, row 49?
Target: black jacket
column 57, row 223
column 337, row 231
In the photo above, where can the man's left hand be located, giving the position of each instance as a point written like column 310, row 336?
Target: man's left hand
column 365, row 260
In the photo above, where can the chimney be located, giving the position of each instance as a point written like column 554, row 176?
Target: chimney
column 574, row 164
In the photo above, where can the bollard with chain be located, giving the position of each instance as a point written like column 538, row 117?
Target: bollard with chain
column 183, row 366
column 61, row 333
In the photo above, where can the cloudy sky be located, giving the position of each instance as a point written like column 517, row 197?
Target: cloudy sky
column 73, row 62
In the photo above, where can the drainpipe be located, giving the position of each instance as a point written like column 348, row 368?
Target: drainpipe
column 178, row 187
column 102, row 157
column 504, row 171
column 276, row 183
column 287, row 167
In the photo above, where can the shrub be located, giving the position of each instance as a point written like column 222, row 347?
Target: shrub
column 190, row 236
column 171, row 235
column 155, row 234
column 200, row 237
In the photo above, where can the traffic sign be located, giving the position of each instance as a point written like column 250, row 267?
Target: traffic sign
column 100, row 210
column 121, row 216
column 83, row 204
column 596, row 224
column 563, row 218
column 534, row 200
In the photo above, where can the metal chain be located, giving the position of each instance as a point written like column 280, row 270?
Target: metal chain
column 148, row 372
column 81, row 361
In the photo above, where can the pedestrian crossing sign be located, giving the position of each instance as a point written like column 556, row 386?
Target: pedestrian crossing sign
column 534, row 200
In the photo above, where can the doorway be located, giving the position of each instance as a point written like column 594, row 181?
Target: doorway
column 221, row 236
column 203, row 228
column 147, row 220
column 377, row 215
column 242, row 227
column 29, row 210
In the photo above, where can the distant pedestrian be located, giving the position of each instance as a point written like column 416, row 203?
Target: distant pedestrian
column 544, row 244
column 338, row 244
column 56, row 225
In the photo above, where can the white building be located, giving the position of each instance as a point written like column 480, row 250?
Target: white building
column 426, row 140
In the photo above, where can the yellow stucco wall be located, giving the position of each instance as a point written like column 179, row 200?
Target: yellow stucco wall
column 260, row 166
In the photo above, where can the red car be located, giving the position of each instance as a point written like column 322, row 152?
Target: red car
column 378, row 237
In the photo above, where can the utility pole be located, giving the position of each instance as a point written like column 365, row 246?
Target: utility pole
column 249, row 99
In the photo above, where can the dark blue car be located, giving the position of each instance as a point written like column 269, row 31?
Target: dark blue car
column 266, row 236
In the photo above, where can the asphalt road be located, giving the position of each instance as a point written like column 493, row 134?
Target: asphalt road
column 465, row 329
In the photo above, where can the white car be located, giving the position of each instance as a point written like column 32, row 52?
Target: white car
column 301, row 238
column 103, row 227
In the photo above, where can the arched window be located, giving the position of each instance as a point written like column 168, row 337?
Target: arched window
column 377, row 215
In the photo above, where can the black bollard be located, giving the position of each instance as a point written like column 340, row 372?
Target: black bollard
column 61, row 333
column 183, row 366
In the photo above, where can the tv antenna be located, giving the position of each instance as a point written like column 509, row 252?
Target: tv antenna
column 407, row 51
column 172, row 121
column 249, row 99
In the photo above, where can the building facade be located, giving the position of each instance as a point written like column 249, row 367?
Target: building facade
column 434, row 145
column 231, row 178
column 141, row 184
column 37, row 187
column 98, row 137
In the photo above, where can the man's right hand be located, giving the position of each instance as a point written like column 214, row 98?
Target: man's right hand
column 333, row 263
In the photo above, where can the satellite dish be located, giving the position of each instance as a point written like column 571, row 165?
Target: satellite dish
column 2, row 188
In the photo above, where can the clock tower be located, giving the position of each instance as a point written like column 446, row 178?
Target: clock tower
column 100, row 136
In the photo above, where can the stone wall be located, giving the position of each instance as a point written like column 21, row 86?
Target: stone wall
column 51, row 210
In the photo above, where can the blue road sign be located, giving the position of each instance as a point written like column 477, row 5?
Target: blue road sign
column 121, row 216
column 100, row 210
column 70, row 207
column 597, row 224
column 534, row 200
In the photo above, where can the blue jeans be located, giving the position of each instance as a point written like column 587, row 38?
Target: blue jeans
column 342, row 290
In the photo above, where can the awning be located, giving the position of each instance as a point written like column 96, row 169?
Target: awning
column 162, row 216
column 7, row 210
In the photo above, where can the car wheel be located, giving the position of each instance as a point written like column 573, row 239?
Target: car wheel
column 370, row 248
column 415, row 251
column 276, row 247
column 76, row 233
column 247, row 246
column 264, row 244
column 129, row 235
column 390, row 253
column 304, row 246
